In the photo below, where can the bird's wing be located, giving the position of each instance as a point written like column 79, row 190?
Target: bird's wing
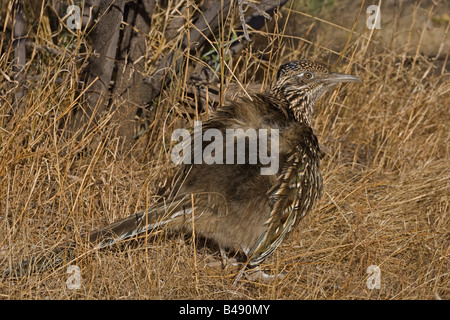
column 291, row 198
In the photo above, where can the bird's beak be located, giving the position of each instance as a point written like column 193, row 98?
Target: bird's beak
column 341, row 77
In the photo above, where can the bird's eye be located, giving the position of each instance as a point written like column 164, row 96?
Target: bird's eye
column 308, row 75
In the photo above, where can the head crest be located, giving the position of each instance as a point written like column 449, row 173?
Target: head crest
column 297, row 66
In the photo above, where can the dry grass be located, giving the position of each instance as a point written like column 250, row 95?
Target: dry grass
column 386, row 175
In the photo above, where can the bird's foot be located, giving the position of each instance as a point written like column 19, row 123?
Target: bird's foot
column 256, row 273
column 224, row 263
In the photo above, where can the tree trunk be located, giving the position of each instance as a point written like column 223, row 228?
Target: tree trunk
column 20, row 58
column 131, row 86
column 97, row 75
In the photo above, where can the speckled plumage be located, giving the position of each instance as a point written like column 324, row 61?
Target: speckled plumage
column 234, row 204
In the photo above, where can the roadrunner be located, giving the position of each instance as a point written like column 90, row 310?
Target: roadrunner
column 235, row 205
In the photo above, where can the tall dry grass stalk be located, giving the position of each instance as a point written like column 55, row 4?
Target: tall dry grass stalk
column 386, row 173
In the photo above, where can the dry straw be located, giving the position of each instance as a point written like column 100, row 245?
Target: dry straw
column 386, row 172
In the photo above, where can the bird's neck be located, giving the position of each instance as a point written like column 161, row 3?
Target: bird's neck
column 297, row 102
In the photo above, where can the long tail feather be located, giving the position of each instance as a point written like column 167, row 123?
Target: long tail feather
column 120, row 230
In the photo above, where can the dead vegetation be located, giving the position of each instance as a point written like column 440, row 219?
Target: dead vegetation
column 386, row 173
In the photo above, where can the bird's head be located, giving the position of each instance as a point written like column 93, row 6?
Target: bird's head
column 302, row 82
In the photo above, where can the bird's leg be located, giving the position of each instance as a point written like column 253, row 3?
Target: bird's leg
column 256, row 273
column 226, row 260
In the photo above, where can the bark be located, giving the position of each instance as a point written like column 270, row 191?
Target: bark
column 97, row 75
column 131, row 84
column 20, row 58
column 206, row 24
column 134, row 89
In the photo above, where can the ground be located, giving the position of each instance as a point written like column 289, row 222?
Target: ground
column 386, row 171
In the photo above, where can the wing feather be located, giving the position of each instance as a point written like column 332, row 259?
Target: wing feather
column 291, row 198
